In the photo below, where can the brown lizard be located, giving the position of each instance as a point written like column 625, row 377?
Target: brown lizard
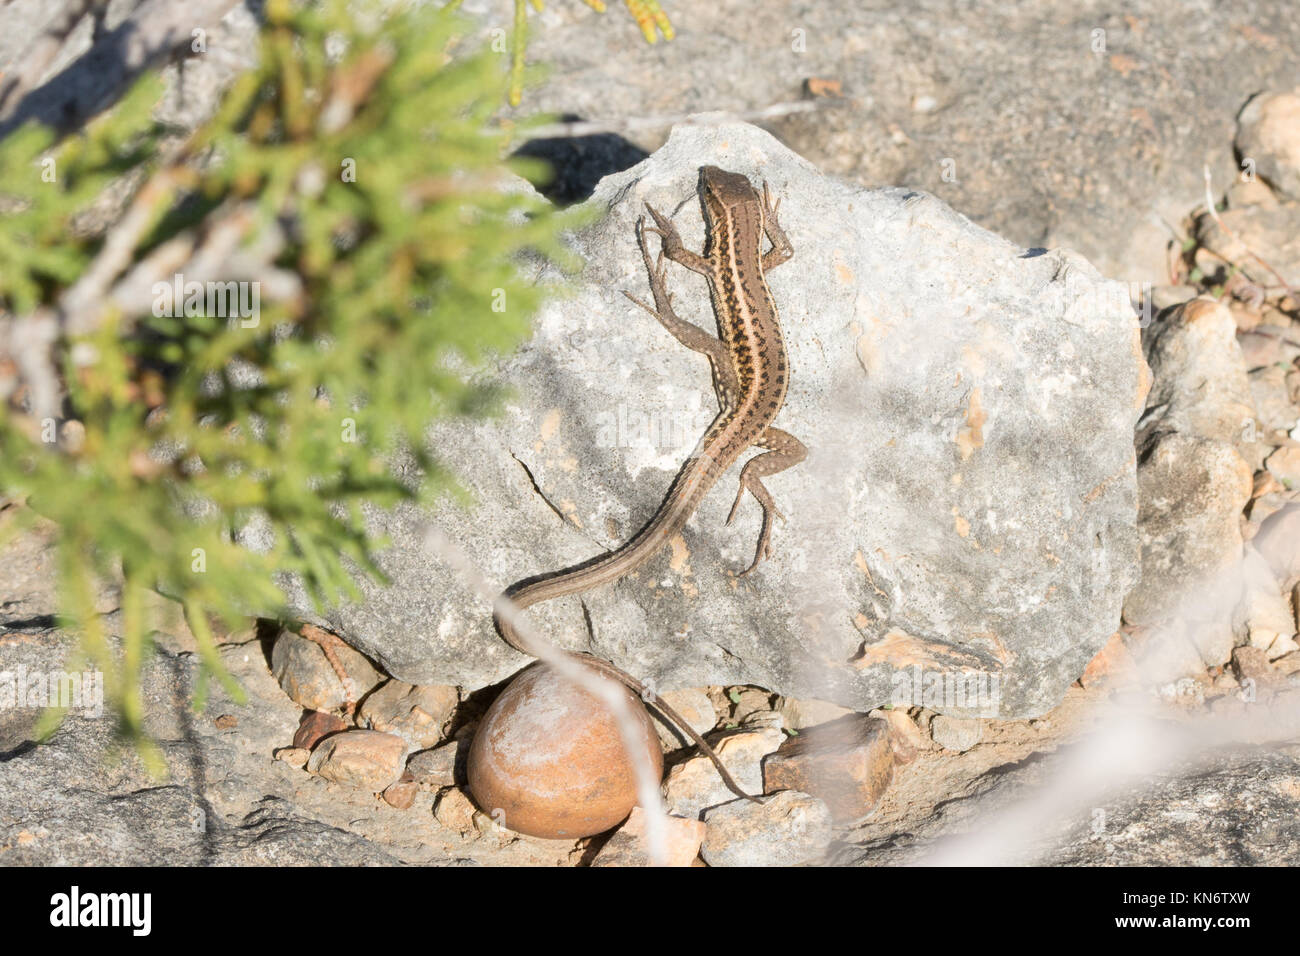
column 750, row 375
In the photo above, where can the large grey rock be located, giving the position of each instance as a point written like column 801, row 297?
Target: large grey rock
column 1234, row 806
column 1240, row 810
column 62, row 804
column 967, row 506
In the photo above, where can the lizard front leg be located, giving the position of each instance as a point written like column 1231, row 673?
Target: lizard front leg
column 783, row 451
column 690, row 335
column 673, row 247
column 781, row 250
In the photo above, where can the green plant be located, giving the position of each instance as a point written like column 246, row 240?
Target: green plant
column 354, row 181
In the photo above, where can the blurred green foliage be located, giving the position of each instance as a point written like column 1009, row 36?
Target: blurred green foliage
column 362, row 151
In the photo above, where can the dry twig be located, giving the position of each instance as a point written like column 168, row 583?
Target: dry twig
column 1214, row 214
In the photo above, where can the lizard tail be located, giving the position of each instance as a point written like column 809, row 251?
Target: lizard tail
column 654, row 700
column 694, row 480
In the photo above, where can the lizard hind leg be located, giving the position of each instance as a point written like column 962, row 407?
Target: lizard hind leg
column 783, row 451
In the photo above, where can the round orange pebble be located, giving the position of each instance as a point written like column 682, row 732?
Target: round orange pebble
column 549, row 755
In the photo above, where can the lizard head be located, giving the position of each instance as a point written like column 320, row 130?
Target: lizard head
column 722, row 191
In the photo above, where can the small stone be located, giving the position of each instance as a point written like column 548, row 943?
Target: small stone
column 809, row 712
column 1191, row 492
column 1112, row 665
column 694, row 706
column 315, row 726
column 1200, row 385
column 695, row 784
column 1261, row 509
column 1213, row 640
column 1288, row 665
column 783, row 829
column 402, row 794
column 954, row 733
column 628, row 846
column 437, row 767
column 1236, row 233
column 906, row 739
column 1279, row 542
column 486, row 826
column 1268, row 133
column 1283, row 646
column 1226, row 682
column 1273, row 406
column 1257, row 349
column 418, row 714
column 1266, row 483
column 848, row 764
column 1254, row 672
column 1249, row 193
column 72, row 435
column 1167, row 654
column 1167, row 296
column 366, row 759
column 763, row 719
column 454, row 810
column 1186, row 691
column 1206, row 261
column 226, row 722
column 1264, row 612
column 549, row 755
column 1285, row 464
column 746, row 700
column 306, row 676
column 293, row 756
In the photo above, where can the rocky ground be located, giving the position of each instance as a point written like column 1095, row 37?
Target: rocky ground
column 1055, row 124
column 1180, row 743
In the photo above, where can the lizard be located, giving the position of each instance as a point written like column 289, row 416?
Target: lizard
column 750, row 376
